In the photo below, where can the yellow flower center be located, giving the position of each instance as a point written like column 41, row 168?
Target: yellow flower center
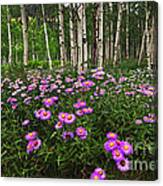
column 111, row 144
column 69, row 117
column 80, row 130
column 100, row 172
column 126, row 147
column 96, row 177
column 45, row 113
column 30, row 134
column 63, row 115
column 49, row 100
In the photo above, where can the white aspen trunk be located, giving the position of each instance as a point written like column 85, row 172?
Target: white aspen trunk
column 46, row 38
column 141, row 48
column 25, row 34
column 100, row 39
column 9, row 35
column 72, row 39
column 147, row 35
column 61, row 36
column 80, row 38
column 85, row 45
column 117, row 38
column 127, row 30
column 107, row 48
column 152, row 42
column 111, row 34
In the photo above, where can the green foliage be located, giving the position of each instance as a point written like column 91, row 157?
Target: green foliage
column 77, row 158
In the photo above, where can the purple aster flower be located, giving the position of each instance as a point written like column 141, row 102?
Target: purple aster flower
column 122, row 79
column 30, row 147
column 48, row 102
column 26, row 122
column 27, row 100
column 117, row 154
column 59, row 125
column 62, row 116
column 69, row 90
column 67, row 135
column 126, row 148
column 37, row 113
column 110, row 145
column 79, row 113
column 123, row 165
column 111, row 135
column 138, row 122
column 45, row 115
column 36, row 144
column 95, row 176
column 81, row 132
column 80, row 104
column 151, row 118
column 88, row 110
column 70, row 118
column 31, row 135
column 101, row 172
column 132, row 93
column 88, row 83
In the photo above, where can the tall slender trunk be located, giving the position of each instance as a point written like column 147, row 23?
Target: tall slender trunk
column 79, row 37
column 127, row 30
column 111, row 34
column 72, row 38
column 100, row 39
column 141, row 48
column 147, row 34
column 95, row 33
column 61, row 36
column 85, row 43
column 9, row 35
column 25, row 34
column 46, row 38
column 117, row 38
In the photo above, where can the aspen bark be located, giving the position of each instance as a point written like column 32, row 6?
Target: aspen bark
column 85, row 44
column 46, row 38
column 25, row 34
column 127, row 30
column 147, row 35
column 111, row 34
column 79, row 37
column 117, row 38
column 72, row 38
column 141, row 48
column 100, row 39
column 9, row 35
column 61, row 36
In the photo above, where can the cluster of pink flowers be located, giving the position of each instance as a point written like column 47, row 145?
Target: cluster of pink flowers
column 146, row 90
column 42, row 114
column 34, row 142
column 119, row 150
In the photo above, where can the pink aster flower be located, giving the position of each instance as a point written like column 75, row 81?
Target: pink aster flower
column 45, row 115
column 79, row 113
column 111, row 135
column 150, row 118
column 59, row 125
column 81, row 132
column 37, row 113
column 70, row 118
column 126, row 148
column 110, row 145
column 31, row 135
column 48, row 102
column 62, row 116
column 88, row 83
column 69, row 90
column 67, row 135
column 26, row 122
column 117, row 154
column 33, row 145
column 138, row 121
column 98, row 174
column 123, row 165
